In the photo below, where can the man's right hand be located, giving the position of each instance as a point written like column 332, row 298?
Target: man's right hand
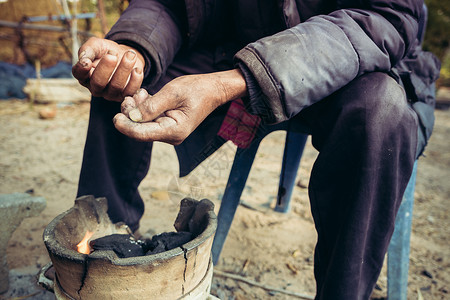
column 174, row 112
column 108, row 69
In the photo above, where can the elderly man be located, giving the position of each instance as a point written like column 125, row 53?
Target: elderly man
column 325, row 65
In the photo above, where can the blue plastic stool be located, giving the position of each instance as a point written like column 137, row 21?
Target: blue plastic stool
column 243, row 160
column 398, row 252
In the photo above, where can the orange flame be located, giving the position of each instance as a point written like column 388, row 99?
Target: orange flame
column 83, row 246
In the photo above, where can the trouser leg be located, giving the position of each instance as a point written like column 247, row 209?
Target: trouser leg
column 366, row 135
column 113, row 165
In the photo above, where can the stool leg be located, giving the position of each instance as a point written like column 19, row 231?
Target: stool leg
column 293, row 150
column 398, row 252
column 242, row 164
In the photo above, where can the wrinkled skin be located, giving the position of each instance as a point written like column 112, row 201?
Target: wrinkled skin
column 179, row 107
column 108, row 69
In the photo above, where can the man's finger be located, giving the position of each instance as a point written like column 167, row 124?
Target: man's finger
column 164, row 129
column 128, row 104
column 81, row 69
column 121, row 76
column 102, row 73
column 141, row 96
column 136, row 78
column 94, row 48
column 87, row 52
column 131, row 104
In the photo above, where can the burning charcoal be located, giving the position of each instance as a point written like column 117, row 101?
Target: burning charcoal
column 167, row 241
column 122, row 244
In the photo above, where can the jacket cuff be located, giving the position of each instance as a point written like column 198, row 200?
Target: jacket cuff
column 264, row 99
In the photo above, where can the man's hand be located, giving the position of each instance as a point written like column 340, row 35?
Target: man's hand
column 179, row 107
column 108, row 69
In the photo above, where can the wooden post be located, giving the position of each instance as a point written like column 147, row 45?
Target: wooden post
column 102, row 15
column 73, row 30
column 39, row 27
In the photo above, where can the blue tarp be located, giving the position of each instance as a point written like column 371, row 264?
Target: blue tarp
column 13, row 77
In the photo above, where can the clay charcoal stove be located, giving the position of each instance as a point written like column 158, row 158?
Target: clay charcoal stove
column 116, row 265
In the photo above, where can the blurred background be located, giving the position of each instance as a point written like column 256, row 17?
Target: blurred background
column 42, row 29
column 45, row 35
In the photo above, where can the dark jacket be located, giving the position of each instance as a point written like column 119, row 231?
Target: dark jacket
column 293, row 53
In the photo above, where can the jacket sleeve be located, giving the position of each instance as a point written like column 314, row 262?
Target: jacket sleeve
column 155, row 29
column 297, row 67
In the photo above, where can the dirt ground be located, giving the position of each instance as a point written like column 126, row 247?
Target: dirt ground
column 43, row 157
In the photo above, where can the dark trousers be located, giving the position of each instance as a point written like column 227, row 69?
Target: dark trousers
column 366, row 134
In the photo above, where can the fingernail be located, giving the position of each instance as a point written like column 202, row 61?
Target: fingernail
column 138, row 71
column 84, row 62
column 112, row 52
column 130, row 54
column 82, row 54
column 135, row 115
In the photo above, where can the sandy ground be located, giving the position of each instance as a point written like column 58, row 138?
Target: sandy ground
column 43, row 157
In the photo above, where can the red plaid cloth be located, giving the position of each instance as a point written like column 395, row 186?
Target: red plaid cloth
column 239, row 126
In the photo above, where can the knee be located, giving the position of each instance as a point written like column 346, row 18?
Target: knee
column 386, row 104
column 379, row 103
